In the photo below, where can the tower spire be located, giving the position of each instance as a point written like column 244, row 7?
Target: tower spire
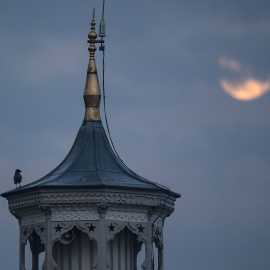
column 92, row 93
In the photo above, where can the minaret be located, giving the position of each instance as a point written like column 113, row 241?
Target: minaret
column 91, row 212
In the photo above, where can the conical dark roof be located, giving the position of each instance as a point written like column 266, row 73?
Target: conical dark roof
column 91, row 163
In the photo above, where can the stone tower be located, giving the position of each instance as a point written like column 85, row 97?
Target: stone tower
column 92, row 211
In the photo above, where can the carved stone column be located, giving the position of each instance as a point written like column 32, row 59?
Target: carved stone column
column 22, row 251
column 160, row 258
column 49, row 263
column 102, row 243
column 147, row 264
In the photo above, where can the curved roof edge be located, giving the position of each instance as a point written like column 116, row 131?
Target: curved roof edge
column 91, row 163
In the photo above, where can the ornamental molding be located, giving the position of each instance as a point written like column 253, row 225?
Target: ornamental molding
column 157, row 221
column 70, row 215
column 93, row 213
column 126, row 216
column 94, row 228
column 27, row 230
column 140, row 229
column 33, row 219
column 45, row 199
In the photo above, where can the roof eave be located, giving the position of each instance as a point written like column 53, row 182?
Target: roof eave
column 9, row 194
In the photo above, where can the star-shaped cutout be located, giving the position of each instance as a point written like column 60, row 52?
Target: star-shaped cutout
column 58, row 228
column 25, row 232
column 42, row 229
column 141, row 228
column 111, row 227
column 91, row 228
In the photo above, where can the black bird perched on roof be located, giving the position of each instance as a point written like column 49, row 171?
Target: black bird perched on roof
column 17, row 178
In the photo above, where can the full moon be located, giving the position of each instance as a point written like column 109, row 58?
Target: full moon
column 245, row 90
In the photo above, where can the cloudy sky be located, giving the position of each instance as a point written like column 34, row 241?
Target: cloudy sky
column 188, row 102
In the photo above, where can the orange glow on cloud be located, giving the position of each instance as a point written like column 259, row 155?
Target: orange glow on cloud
column 246, row 90
column 229, row 63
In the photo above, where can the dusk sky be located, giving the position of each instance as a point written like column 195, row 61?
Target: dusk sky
column 188, row 104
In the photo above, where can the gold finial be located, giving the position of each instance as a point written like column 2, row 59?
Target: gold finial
column 92, row 94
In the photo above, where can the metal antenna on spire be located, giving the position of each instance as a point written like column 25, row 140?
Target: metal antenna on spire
column 94, row 11
column 102, row 28
column 102, row 25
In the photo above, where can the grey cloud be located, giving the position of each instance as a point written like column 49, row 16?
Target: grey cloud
column 170, row 120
